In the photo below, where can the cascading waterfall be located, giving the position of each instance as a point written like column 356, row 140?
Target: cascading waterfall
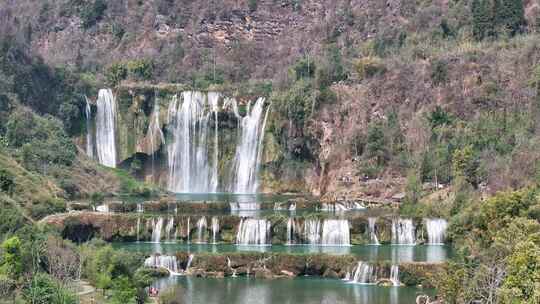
column 190, row 260
column 436, row 230
column 364, row 273
column 394, row 275
column 372, row 233
column 201, row 230
column 249, row 148
column 138, row 228
column 154, row 128
column 157, row 226
column 169, row 228
column 215, row 229
column 291, row 229
column 140, row 208
column 189, row 167
column 253, row 232
column 163, row 261
column 335, row 232
column 312, row 231
column 89, row 142
column 403, row 232
column 105, row 128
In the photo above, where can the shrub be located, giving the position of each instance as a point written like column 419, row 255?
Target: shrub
column 368, row 67
column 116, row 73
column 439, row 72
column 42, row 289
column 92, row 13
column 7, row 182
column 252, row 4
column 140, row 69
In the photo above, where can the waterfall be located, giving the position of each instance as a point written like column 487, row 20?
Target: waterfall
column 189, row 164
column 138, row 227
column 394, row 275
column 154, row 128
column 249, row 148
column 188, row 228
column 364, row 273
column 253, row 232
column 103, row 208
column 291, row 230
column 215, row 229
column 169, row 228
column 372, row 234
column 89, row 142
column 312, row 231
column 201, row 230
column 190, row 260
column 403, row 232
column 163, row 261
column 156, row 229
column 335, row 232
column 105, row 128
column 140, row 208
column 213, row 99
column 436, row 230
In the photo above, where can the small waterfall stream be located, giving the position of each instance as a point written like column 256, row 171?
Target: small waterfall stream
column 312, row 231
column 394, row 275
column 154, row 128
column 253, row 232
column 249, row 148
column 163, row 261
column 89, row 141
column 215, row 229
column 335, row 232
column 169, row 229
column 372, row 232
column 403, row 232
column 364, row 273
column 201, row 230
column 436, row 230
column 157, row 227
column 105, row 128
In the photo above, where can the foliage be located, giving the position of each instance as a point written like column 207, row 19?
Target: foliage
column 368, row 67
column 172, row 295
column 466, row 164
column 42, row 289
column 11, row 263
column 116, row 73
column 252, row 4
column 522, row 282
column 7, row 182
column 123, row 291
column 376, row 144
column 92, row 12
column 439, row 72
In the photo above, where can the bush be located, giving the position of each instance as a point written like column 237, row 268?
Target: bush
column 116, row 73
column 368, row 67
column 172, row 295
column 7, row 182
column 92, row 13
column 140, row 69
column 439, row 72
column 42, row 289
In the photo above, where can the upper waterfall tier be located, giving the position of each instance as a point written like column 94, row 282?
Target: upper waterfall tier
column 105, row 128
column 188, row 142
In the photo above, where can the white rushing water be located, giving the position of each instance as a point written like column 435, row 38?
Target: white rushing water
column 163, row 261
column 154, row 131
column 215, row 229
column 312, row 231
column 249, row 148
column 157, row 227
column 364, row 273
column 89, row 141
column 253, row 232
column 201, row 230
column 436, row 230
column 403, row 232
column 191, row 170
column 335, row 232
column 105, row 128
column 394, row 275
column 169, row 229
column 372, row 232
column 291, row 231
column 140, row 208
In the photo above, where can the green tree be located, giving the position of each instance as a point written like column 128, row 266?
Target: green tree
column 11, row 263
column 522, row 282
column 509, row 15
column 123, row 291
column 42, row 289
column 376, row 143
column 465, row 163
column 482, row 23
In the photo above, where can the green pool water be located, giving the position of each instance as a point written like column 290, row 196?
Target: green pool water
column 394, row 253
column 303, row 290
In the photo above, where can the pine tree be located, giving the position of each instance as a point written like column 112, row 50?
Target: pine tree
column 509, row 15
column 483, row 26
